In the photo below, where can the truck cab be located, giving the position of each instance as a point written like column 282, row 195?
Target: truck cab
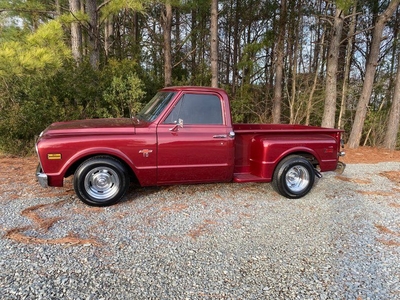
column 195, row 139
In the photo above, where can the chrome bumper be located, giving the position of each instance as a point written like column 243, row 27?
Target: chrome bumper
column 41, row 177
column 341, row 166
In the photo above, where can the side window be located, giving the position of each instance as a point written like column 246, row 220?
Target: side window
column 197, row 109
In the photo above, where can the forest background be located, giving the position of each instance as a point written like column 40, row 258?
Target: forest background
column 314, row 62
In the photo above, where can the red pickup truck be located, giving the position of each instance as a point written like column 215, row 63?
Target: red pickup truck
column 184, row 135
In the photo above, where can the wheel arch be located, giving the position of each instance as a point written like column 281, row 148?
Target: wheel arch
column 309, row 155
column 75, row 161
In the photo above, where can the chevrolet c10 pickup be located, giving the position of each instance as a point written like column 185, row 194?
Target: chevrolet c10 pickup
column 184, row 135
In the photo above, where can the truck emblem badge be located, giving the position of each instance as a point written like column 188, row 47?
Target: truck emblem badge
column 145, row 152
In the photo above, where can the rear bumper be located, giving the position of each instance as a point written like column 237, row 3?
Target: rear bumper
column 341, row 166
column 41, row 177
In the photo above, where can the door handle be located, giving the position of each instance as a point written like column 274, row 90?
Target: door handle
column 224, row 136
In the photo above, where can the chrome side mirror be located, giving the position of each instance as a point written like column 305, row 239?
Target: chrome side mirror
column 177, row 125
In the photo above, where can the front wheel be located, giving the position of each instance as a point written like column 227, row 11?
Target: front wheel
column 293, row 177
column 101, row 181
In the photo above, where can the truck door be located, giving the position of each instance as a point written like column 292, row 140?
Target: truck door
column 194, row 142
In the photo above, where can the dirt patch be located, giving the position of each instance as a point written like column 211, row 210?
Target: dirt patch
column 392, row 176
column 175, row 208
column 18, row 235
column 369, row 155
column 354, row 180
column 43, row 225
column 18, row 180
column 388, row 233
column 384, row 229
column 201, row 229
column 376, row 193
column 389, row 242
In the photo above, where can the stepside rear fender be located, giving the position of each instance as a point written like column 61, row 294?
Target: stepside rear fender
column 266, row 151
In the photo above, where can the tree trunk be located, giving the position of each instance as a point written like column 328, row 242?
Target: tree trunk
column 328, row 118
column 292, row 100
column 108, row 34
column 135, row 35
column 318, row 63
column 194, row 45
column 76, row 34
column 394, row 116
column 135, row 27
column 167, row 27
column 280, row 55
column 349, row 52
column 228, row 48
column 236, row 45
column 58, row 7
column 356, row 132
column 94, row 51
column 214, row 43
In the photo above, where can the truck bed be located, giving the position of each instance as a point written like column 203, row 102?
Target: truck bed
column 259, row 146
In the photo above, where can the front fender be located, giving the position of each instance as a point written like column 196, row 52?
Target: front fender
column 57, row 169
column 82, row 155
column 146, row 174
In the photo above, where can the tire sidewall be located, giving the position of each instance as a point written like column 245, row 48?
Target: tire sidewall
column 280, row 178
column 86, row 167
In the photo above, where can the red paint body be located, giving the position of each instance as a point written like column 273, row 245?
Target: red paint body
column 160, row 153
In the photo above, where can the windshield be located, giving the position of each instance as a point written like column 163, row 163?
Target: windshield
column 156, row 105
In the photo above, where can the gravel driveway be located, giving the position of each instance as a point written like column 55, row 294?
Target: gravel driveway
column 216, row 241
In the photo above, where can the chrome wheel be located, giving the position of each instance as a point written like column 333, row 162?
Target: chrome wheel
column 293, row 177
column 297, row 178
column 102, row 183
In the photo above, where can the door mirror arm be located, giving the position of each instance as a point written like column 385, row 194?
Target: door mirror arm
column 177, row 125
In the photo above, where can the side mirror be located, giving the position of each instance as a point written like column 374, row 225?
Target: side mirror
column 177, row 125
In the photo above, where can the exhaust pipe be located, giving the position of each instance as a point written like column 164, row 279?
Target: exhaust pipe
column 317, row 173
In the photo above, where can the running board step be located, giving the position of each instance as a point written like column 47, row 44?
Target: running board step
column 247, row 177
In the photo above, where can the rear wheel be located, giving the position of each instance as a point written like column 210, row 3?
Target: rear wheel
column 293, row 177
column 101, row 181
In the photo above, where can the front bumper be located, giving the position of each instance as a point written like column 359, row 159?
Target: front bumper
column 41, row 177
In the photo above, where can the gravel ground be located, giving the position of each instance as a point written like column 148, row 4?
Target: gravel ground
column 216, row 241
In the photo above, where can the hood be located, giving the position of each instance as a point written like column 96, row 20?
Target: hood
column 91, row 127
